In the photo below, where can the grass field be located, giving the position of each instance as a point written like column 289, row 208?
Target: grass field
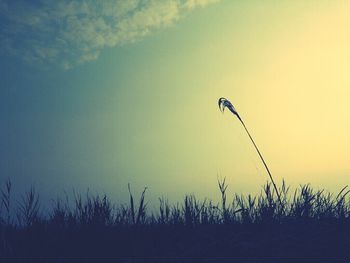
column 307, row 226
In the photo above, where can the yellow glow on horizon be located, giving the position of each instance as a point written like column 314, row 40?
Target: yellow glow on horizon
column 286, row 69
column 303, row 97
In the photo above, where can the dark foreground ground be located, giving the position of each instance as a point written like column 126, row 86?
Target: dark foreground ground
column 303, row 226
column 307, row 242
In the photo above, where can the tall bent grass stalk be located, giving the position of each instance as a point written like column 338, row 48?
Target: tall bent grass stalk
column 225, row 103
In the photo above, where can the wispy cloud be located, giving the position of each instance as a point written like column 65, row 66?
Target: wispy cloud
column 68, row 33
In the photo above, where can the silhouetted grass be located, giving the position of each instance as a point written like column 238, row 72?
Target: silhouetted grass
column 305, row 225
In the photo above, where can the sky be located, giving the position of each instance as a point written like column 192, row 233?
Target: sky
column 98, row 94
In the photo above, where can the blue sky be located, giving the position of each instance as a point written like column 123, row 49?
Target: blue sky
column 67, row 69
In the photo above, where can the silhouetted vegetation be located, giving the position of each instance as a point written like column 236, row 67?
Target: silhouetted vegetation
column 306, row 226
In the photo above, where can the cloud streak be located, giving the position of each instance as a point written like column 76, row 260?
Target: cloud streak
column 67, row 33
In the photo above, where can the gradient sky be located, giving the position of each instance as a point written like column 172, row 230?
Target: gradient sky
column 98, row 94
